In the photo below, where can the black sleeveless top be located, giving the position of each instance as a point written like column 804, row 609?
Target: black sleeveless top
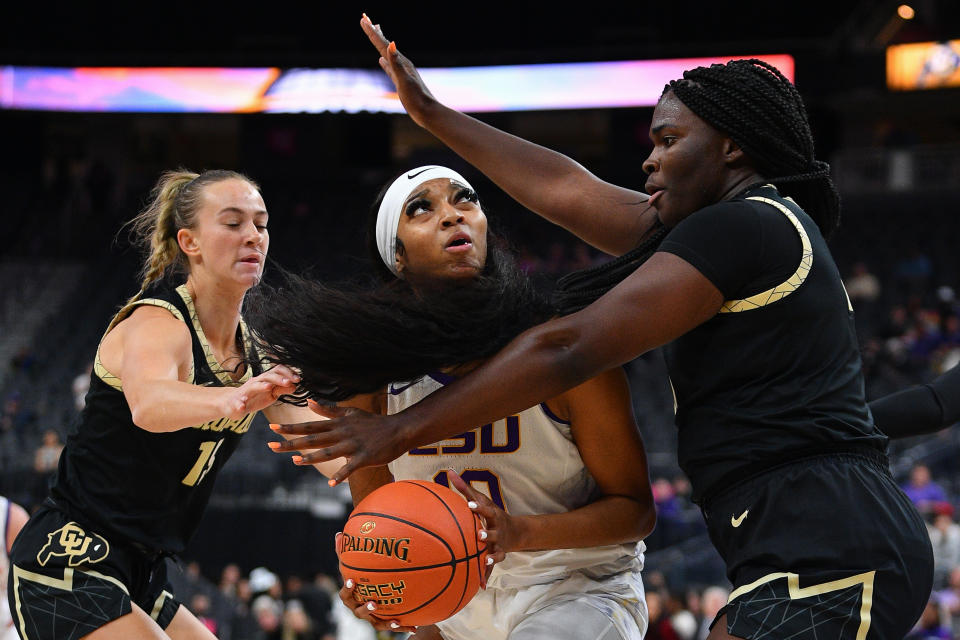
column 776, row 375
column 148, row 488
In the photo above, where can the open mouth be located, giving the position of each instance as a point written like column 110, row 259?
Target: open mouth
column 459, row 242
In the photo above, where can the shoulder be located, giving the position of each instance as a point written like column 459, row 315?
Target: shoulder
column 605, row 389
column 730, row 216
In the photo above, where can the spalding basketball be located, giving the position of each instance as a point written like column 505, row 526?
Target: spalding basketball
column 412, row 548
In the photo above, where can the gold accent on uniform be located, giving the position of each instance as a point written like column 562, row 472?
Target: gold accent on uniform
column 222, row 376
column 73, row 542
column 101, row 370
column 792, row 283
column 158, row 605
column 798, row 592
column 64, row 584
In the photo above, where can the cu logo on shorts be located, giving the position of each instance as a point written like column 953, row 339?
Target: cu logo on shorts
column 74, row 543
column 368, row 526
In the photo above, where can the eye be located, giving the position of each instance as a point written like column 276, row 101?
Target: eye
column 669, row 140
column 416, row 207
column 467, row 195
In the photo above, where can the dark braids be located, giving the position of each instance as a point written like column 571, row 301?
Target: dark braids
column 576, row 290
column 754, row 104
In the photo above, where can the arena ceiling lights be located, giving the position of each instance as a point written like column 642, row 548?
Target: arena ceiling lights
column 585, row 85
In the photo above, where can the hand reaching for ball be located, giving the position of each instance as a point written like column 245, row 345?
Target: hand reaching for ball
column 502, row 532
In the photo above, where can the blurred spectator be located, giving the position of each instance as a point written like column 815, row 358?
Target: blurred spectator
column 683, row 622
column 922, row 490
column 930, row 626
column 659, row 626
column 200, row 607
column 229, row 578
column 47, row 455
column 945, row 539
column 949, row 599
column 316, row 605
column 243, row 624
column 862, row 285
column 268, row 613
column 80, row 386
column 714, row 598
column 45, row 460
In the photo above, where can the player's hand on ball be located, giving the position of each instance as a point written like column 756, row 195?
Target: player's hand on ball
column 414, row 94
column 363, row 610
column 501, row 531
column 365, row 439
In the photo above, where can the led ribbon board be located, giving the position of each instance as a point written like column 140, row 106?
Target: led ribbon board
column 923, row 65
column 583, row 85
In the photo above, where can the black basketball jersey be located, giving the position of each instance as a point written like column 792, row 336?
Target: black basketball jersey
column 776, row 374
column 150, row 488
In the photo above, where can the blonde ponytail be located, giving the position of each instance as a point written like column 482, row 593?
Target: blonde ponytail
column 174, row 202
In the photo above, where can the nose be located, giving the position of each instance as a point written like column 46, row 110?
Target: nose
column 651, row 163
column 253, row 234
column 451, row 215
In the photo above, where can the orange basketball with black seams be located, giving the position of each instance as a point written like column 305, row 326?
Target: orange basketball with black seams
column 411, row 547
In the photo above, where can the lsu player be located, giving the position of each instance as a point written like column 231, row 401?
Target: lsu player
column 562, row 486
column 176, row 383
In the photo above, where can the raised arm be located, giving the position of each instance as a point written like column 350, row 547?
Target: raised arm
column 662, row 300
column 611, row 218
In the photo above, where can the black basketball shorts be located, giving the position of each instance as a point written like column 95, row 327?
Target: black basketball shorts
column 66, row 580
column 823, row 547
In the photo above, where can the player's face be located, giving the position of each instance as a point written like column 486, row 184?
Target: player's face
column 686, row 170
column 230, row 238
column 443, row 231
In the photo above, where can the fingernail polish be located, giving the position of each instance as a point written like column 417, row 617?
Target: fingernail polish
column 483, row 535
column 472, row 504
column 331, row 482
column 394, row 625
column 371, row 606
column 275, row 427
column 489, row 561
column 297, row 459
column 392, row 47
column 273, row 445
column 349, row 584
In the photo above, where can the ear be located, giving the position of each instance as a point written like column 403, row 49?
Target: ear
column 732, row 153
column 188, row 242
column 400, row 257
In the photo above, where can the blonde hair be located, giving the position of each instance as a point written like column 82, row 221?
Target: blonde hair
column 174, row 202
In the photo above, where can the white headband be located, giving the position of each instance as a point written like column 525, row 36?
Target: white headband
column 391, row 208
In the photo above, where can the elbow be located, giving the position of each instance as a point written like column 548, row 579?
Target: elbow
column 562, row 350
column 647, row 522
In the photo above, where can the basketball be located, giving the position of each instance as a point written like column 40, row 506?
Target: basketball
column 412, row 548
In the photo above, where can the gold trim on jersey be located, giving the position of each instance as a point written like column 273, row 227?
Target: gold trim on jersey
column 798, row 592
column 120, row 316
column 222, row 375
column 792, row 283
column 158, row 605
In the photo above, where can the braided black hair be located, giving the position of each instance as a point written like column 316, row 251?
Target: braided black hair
column 754, row 104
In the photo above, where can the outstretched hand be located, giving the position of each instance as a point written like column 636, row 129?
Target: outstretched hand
column 365, row 439
column 411, row 90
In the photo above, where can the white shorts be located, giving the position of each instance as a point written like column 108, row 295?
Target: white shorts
column 576, row 607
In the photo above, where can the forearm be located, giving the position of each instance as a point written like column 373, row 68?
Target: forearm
column 170, row 405
column 535, row 366
column 284, row 413
column 609, row 520
column 548, row 183
column 921, row 409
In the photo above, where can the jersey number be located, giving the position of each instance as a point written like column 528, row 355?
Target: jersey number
column 208, row 454
column 471, row 476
